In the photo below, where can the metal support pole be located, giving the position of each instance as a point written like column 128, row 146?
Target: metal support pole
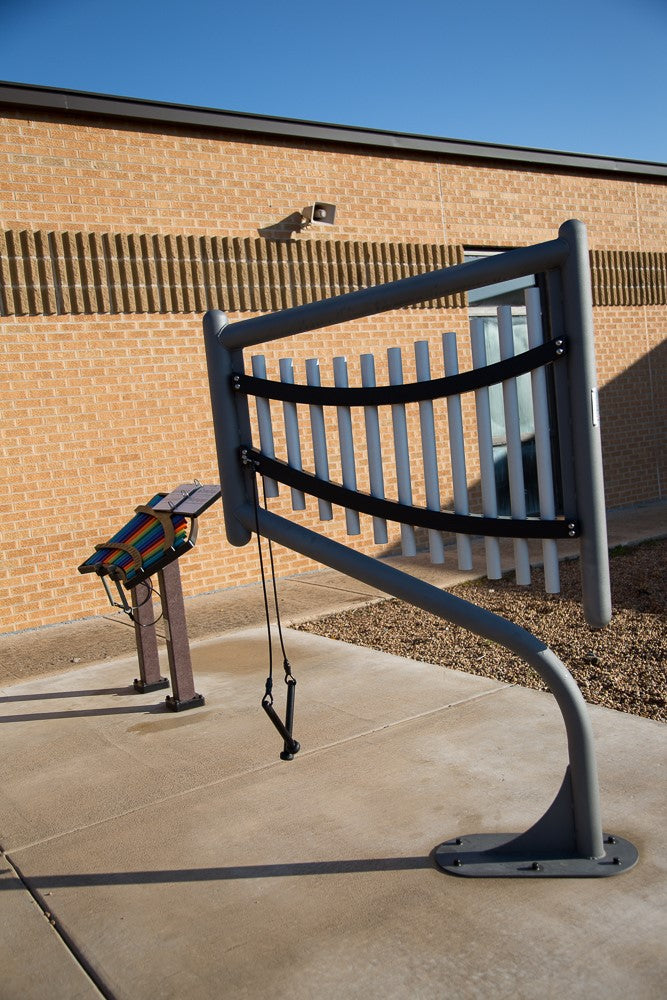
column 586, row 442
column 231, row 421
column 178, row 649
column 143, row 617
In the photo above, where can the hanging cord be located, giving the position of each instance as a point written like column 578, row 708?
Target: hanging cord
column 152, row 592
column 286, row 665
column 290, row 745
column 127, row 608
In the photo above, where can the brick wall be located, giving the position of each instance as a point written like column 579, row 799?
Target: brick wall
column 104, row 381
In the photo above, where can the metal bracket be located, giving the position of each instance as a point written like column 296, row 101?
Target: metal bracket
column 492, row 855
column 546, row 850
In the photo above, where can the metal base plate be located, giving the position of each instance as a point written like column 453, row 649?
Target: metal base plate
column 142, row 687
column 174, row 705
column 482, row 855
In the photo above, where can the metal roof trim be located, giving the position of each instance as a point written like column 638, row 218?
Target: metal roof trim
column 107, row 105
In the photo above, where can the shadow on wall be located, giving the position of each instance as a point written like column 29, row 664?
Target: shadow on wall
column 283, row 230
column 633, row 417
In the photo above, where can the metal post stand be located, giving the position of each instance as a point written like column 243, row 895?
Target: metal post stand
column 146, row 638
column 176, row 634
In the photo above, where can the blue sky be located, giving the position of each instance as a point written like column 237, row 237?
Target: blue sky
column 578, row 75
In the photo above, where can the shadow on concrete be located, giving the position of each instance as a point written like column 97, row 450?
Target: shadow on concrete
column 351, row 866
column 86, row 713
column 45, row 695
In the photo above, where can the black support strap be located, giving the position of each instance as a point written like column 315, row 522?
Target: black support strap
column 420, row 517
column 410, row 392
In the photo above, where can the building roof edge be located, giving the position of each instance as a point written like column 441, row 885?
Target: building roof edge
column 156, row 112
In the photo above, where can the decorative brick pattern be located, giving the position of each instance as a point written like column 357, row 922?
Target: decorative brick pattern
column 72, row 273
column 628, row 278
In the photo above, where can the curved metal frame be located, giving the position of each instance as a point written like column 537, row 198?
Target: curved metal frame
column 568, row 839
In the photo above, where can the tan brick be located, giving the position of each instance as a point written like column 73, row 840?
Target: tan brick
column 107, row 390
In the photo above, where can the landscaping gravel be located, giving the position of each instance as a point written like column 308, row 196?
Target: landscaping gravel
column 621, row 666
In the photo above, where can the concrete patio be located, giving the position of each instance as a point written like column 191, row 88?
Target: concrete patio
column 178, row 856
column 150, row 854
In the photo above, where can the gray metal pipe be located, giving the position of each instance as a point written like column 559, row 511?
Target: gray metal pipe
column 374, row 448
column 513, row 443
column 292, row 436
column 346, row 441
column 319, row 437
column 264, row 425
column 396, row 294
column 457, row 451
column 429, row 450
column 586, row 443
column 231, row 422
column 545, row 479
column 401, row 450
column 485, row 447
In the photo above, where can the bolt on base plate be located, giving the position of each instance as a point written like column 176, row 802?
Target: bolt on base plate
column 174, row 705
column 142, row 687
column 481, row 855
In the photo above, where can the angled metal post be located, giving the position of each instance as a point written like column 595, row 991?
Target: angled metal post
column 568, row 840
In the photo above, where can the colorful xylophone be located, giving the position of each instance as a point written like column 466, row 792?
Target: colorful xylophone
column 150, row 540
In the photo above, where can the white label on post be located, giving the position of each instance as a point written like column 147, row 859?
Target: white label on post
column 595, row 407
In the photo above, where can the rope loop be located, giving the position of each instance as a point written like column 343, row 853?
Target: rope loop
column 290, row 745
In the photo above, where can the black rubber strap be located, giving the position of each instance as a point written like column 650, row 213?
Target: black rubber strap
column 410, row 392
column 420, row 517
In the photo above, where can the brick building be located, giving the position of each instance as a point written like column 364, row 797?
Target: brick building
column 122, row 221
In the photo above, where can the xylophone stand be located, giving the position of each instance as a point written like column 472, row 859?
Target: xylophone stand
column 154, row 528
column 176, row 637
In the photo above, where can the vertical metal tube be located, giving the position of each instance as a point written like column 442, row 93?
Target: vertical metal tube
column 587, row 448
column 264, row 423
column 545, row 480
column 401, row 451
column 373, row 448
column 513, row 441
column 346, row 442
column 457, row 451
column 231, row 423
column 485, row 446
column 291, row 419
column 429, row 450
column 319, row 437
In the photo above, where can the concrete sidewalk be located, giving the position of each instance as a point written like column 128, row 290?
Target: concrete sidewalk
column 148, row 854
column 157, row 855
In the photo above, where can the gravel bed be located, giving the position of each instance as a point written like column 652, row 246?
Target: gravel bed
column 621, row 666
